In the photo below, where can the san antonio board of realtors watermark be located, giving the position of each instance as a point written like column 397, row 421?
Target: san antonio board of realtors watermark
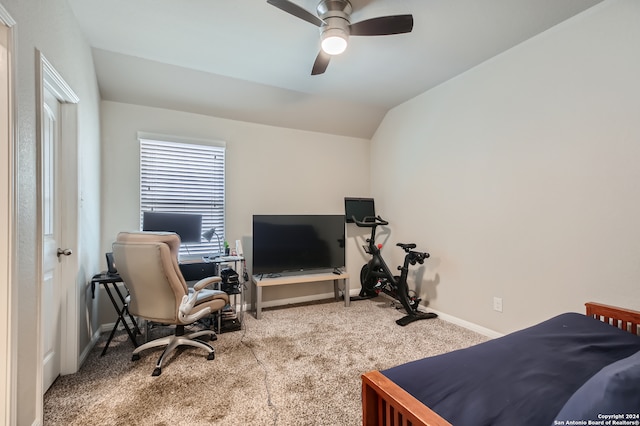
column 629, row 419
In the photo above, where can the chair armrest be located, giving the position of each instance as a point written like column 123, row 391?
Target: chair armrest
column 189, row 301
column 206, row 282
column 184, row 312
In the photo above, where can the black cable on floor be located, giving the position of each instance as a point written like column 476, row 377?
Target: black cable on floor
column 266, row 373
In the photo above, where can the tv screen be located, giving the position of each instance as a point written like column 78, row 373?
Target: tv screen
column 358, row 207
column 287, row 243
column 187, row 226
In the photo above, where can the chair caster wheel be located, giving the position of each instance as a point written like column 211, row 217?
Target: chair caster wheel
column 214, row 338
column 211, row 356
column 156, row 371
column 135, row 357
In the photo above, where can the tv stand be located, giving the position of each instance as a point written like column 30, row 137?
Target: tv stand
column 263, row 281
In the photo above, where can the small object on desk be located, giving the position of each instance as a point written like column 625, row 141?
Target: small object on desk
column 111, row 264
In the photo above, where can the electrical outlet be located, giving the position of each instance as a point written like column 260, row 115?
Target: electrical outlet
column 497, row 304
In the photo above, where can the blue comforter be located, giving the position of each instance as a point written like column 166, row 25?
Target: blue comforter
column 523, row 378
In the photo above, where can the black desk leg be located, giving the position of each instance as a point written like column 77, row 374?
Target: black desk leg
column 124, row 308
column 113, row 331
column 120, row 318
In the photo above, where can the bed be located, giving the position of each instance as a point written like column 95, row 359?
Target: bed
column 570, row 367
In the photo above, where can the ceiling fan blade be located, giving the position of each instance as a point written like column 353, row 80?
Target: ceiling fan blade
column 384, row 25
column 321, row 63
column 296, row 11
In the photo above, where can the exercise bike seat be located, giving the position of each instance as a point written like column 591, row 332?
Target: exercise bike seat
column 407, row 247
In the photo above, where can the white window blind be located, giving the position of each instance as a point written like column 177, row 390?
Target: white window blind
column 180, row 177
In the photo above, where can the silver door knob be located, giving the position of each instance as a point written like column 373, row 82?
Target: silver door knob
column 66, row 252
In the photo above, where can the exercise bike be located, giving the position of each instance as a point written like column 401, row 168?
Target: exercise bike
column 376, row 277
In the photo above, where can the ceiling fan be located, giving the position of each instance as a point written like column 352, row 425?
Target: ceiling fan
column 333, row 19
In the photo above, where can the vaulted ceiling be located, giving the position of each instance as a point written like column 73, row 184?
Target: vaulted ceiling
column 248, row 60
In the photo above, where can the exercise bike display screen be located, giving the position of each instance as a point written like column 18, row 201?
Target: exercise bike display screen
column 360, row 208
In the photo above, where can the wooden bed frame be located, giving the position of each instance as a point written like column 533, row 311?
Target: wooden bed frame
column 384, row 403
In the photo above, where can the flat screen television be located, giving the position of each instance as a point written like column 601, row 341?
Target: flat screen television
column 297, row 243
column 188, row 226
column 358, row 207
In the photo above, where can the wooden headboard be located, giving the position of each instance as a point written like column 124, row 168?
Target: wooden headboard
column 624, row 319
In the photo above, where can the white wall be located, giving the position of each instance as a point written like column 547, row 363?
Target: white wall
column 50, row 27
column 269, row 170
column 520, row 176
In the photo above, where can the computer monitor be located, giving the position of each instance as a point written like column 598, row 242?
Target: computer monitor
column 188, row 226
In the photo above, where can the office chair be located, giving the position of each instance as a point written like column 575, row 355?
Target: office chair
column 148, row 265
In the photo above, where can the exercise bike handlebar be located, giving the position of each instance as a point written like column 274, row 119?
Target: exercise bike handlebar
column 417, row 257
column 370, row 221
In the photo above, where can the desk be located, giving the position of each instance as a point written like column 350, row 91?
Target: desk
column 262, row 281
column 110, row 284
column 230, row 318
column 203, row 267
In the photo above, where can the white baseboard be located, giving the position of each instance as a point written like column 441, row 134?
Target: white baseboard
column 89, row 347
column 466, row 324
column 107, row 327
column 457, row 321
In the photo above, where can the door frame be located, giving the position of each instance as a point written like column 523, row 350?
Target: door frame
column 8, row 335
column 47, row 76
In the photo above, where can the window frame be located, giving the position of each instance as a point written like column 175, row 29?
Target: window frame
column 212, row 209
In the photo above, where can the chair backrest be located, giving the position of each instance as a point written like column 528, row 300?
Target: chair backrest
column 148, row 265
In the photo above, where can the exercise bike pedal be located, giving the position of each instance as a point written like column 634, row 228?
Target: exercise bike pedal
column 415, row 302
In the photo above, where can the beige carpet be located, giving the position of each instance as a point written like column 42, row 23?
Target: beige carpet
column 296, row 366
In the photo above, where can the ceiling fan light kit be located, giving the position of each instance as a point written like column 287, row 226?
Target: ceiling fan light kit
column 334, row 19
column 334, row 41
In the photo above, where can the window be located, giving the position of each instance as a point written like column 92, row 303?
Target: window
column 185, row 176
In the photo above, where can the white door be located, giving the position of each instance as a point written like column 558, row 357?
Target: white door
column 7, row 415
column 51, row 297
column 58, row 225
